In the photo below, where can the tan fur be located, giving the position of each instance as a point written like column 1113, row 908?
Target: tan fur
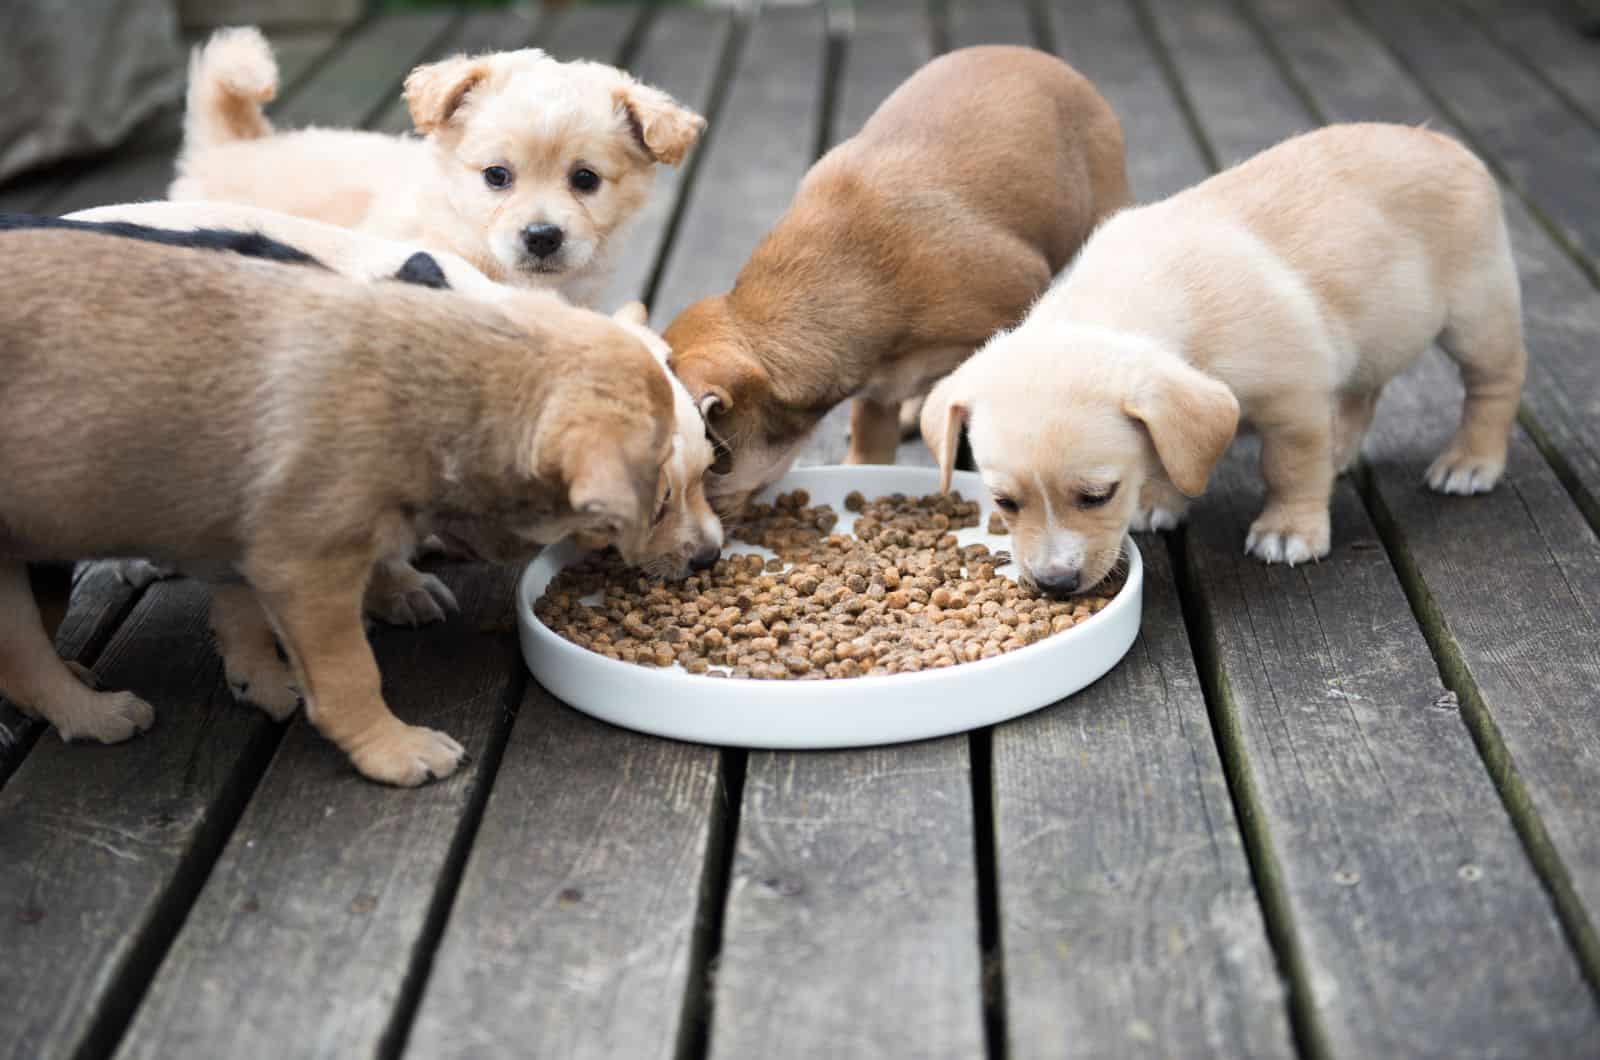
column 685, row 529
column 538, row 118
column 904, row 248
column 1289, row 289
column 284, row 424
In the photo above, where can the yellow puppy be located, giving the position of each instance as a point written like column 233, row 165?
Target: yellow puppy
column 280, row 424
column 1290, row 289
column 530, row 168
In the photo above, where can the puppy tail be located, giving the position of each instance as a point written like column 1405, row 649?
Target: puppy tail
column 230, row 77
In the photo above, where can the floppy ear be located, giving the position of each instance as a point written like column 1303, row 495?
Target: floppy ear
column 719, row 376
column 664, row 128
column 633, row 313
column 602, row 492
column 1191, row 419
column 435, row 92
column 944, row 413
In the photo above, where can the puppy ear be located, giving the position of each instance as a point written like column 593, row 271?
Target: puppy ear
column 633, row 313
column 602, row 493
column 944, row 414
column 664, row 128
column 435, row 91
column 1191, row 418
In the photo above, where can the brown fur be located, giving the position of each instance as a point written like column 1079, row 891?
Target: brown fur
column 905, row 247
column 285, row 424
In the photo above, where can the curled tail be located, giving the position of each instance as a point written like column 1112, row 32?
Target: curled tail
column 230, row 77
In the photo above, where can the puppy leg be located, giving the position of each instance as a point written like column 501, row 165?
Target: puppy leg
column 1484, row 335
column 1161, row 506
column 315, row 607
column 874, row 432
column 35, row 678
column 1297, row 463
column 256, row 672
column 1351, row 418
column 401, row 595
column 911, row 417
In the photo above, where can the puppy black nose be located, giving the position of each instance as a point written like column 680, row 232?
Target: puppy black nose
column 705, row 559
column 542, row 240
column 1058, row 582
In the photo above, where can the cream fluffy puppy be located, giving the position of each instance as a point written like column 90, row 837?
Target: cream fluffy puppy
column 528, row 167
column 1289, row 289
column 685, row 534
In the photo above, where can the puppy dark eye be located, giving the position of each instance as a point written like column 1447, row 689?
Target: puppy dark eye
column 497, row 177
column 584, row 179
column 1006, row 504
column 1096, row 499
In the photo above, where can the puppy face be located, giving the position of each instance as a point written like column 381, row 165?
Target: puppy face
column 547, row 160
column 1066, row 426
column 755, row 436
column 685, row 534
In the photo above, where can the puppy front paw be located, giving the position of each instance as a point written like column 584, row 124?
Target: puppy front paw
column 408, row 755
column 1156, row 518
column 1463, row 474
column 411, row 599
column 1289, row 537
column 105, row 717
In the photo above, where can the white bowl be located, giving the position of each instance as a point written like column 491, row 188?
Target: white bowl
column 847, row 712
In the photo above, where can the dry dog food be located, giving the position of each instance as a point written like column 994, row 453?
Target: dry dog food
column 899, row 595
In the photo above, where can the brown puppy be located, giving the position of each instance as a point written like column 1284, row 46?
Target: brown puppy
column 905, row 247
column 288, row 426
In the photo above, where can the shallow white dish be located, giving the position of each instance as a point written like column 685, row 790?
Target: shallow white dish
column 852, row 712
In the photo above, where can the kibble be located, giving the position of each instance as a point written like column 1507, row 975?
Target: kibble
column 899, row 596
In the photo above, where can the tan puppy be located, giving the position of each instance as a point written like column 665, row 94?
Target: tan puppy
column 685, row 533
column 283, row 425
column 529, row 170
column 905, row 247
column 1290, row 288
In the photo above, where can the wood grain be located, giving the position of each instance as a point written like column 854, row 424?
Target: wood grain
column 1389, row 861
column 1541, row 37
column 101, row 848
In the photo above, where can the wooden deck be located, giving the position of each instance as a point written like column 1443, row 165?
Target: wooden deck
column 1349, row 810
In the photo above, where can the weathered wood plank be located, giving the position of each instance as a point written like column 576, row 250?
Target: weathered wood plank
column 764, row 139
column 575, row 926
column 100, row 600
column 1130, row 925
column 1549, row 152
column 1390, row 863
column 1530, row 525
column 852, row 915
column 681, row 53
column 102, row 847
column 973, row 22
column 1542, row 36
column 318, row 913
column 353, row 86
column 142, row 169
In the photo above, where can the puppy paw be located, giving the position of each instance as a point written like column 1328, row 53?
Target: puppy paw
column 262, row 680
column 105, row 717
column 1283, row 537
column 1156, row 518
column 1464, row 474
column 418, row 602
column 408, row 755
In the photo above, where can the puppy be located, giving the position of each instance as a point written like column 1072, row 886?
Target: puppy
column 1290, row 289
column 685, row 533
column 905, row 247
column 529, row 167
column 284, row 429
